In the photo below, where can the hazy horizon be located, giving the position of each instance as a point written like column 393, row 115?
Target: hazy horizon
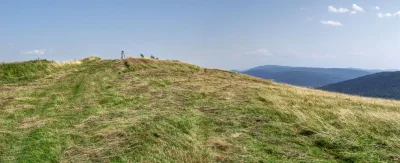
column 222, row 34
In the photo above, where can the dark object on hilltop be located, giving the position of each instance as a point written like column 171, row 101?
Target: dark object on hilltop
column 305, row 76
column 381, row 85
column 122, row 55
column 152, row 57
column 141, row 56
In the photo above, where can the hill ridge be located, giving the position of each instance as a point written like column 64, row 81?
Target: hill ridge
column 151, row 110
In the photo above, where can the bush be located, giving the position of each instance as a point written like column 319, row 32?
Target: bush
column 152, row 57
column 141, row 56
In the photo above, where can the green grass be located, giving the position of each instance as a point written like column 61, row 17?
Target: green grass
column 147, row 110
column 15, row 72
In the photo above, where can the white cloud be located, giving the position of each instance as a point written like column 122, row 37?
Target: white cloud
column 381, row 15
column 377, row 7
column 36, row 51
column 302, row 8
column 358, row 8
column 397, row 13
column 353, row 12
column 259, row 52
column 337, row 10
column 331, row 22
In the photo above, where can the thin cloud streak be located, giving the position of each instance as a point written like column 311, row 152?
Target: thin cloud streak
column 35, row 52
column 331, row 23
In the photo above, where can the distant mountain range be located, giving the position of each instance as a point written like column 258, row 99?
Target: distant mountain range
column 306, row 76
column 376, row 70
column 382, row 85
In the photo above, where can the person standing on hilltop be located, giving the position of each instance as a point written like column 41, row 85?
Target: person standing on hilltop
column 122, row 55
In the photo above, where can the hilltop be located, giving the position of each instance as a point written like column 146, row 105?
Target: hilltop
column 149, row 110
column 381, row 85
column 305, row 76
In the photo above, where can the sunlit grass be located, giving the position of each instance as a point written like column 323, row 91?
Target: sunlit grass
column 149, row 110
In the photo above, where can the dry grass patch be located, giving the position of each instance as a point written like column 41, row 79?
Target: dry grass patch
column 33, row 122
column 67, row 63
column 12, row 109
column 220, row 144
column 386, row 116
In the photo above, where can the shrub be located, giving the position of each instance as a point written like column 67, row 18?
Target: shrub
column 141, row 56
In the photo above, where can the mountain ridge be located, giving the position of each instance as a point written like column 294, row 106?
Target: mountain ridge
column 380, row 85
column 305, row 76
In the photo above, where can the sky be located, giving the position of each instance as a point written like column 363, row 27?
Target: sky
column 224, row 34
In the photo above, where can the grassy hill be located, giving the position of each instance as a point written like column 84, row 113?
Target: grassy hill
column 381, row 85
column 305, row 76
column 158, row 110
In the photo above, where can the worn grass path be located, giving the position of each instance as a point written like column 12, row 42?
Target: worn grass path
column 167, row 111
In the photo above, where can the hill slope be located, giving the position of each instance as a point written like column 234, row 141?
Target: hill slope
column 152, row 111
column 382, row 85
column 305, row 76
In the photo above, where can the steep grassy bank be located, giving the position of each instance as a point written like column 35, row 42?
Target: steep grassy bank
column 152, row 110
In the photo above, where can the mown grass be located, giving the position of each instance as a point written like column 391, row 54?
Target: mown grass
column 151, row 110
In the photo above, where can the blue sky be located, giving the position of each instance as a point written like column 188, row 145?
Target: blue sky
column 226, row 34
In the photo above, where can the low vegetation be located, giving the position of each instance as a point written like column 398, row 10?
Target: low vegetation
column 152, row 110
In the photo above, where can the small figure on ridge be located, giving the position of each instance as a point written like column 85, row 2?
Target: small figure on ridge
column 122, row 55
